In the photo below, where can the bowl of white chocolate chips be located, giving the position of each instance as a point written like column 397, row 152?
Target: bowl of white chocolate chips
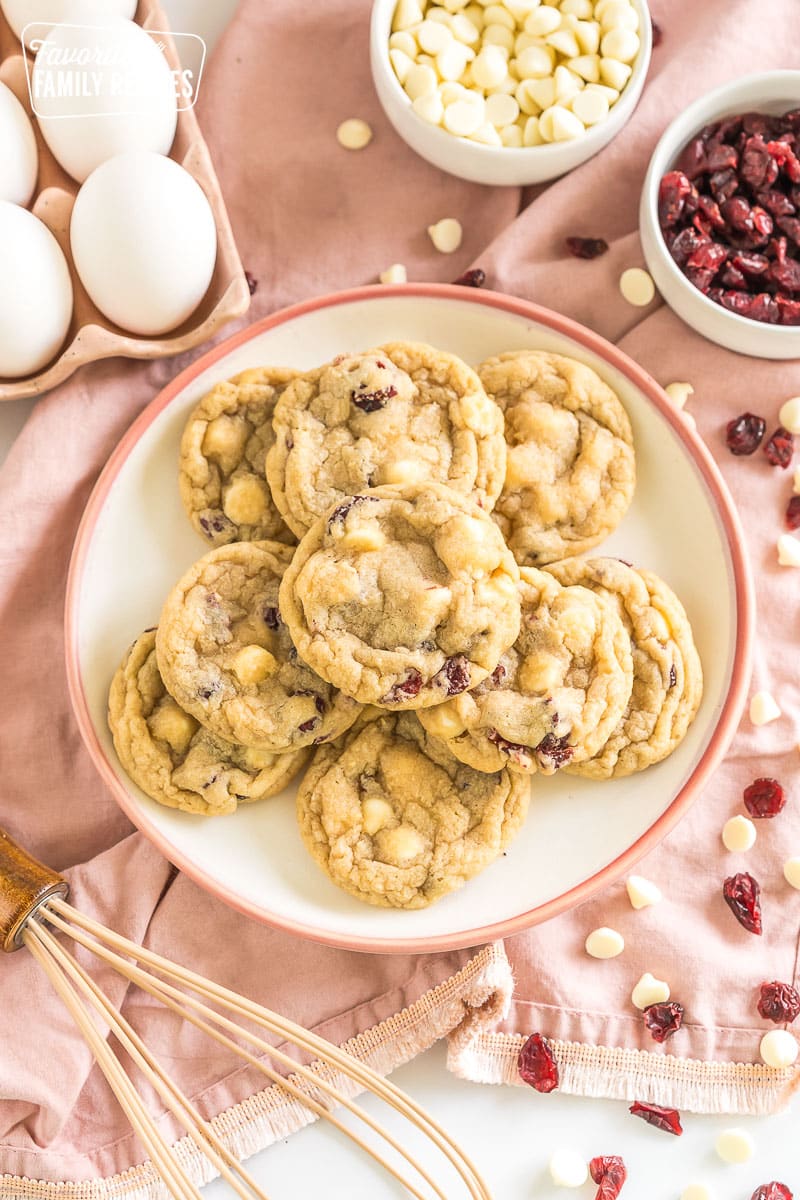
column 509, row 92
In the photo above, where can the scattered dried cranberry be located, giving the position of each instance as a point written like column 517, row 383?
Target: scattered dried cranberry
column 252, row 283
column 744, row 434
column 658, row 37
column 475, row 277
column 405, row 689
column 498, row 674
column 780, row 448
column 772, row 1191
column 779, row 1002
column 554, row 751
column 742, row 895
column 456, row 674
column 608, row 1170
column 536, row 1064
column 271, row 615
column 793, row 513
column 372, row 401
column 668, row 1119
column 764, row 798
column 663, row 1020
column 586, row 247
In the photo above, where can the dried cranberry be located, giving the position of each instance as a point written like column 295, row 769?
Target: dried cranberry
column 732, row 277
column 553, row 751
column 783, row 154
column 668, row 1119
column 780, row 448
column 370, row 402
column 536, row 1064
column 586, row 247
column 791, row 227
column 793, row 513
column 776, row 203
column 672, row 192
column 772, row 1191
column 764, row 798
column 271, row 615
column 721, row 157
column 515, row 750
column 692, row 161
column 217, row 523
column 750, row 263
column 757, row 168
column 658, row 37
column 788, row 310
column 475, row 277
column 498, row 674
column 252, row 283
column 406, row 689
column 608, row 1171
column 743, row 897
column 723, row 184
column 785, row 275
column 340, row 512
column 736, row 213
column 779, row 1002
column 744, row 434
column 455, row 674
column 307, row 726
column 685, row 244
column 673, row 675
column 663, row 1020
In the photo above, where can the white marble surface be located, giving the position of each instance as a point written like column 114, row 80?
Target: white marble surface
column 509, row 1132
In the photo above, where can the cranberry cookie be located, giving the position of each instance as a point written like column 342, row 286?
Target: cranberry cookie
column 402, row 596
column 393, row 818
column 571, row 473
column 173, row 758
column 404, row 413
column 227, row 658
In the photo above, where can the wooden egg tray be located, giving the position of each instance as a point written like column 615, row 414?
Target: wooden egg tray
column 92, row 336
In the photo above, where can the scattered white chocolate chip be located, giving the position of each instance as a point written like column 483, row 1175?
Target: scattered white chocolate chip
column 779, row 1048
column 738, row 834
column 637, row 286
column 791, row 872
column 642, row 892
column 568, row 1168
column 446, row 234
column 789, row 416
column 763, row 709
column 604, row 943
column 649, row 990
column 788, row 550
column 679, row 393
column 396, row 273
column 688, row 420
column 735, row 1146
column 697, row 1191
column 354, row 134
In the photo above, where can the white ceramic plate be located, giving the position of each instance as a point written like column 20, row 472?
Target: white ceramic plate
column 135, row 541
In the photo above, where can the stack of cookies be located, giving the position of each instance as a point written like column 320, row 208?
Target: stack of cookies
column 394, row 603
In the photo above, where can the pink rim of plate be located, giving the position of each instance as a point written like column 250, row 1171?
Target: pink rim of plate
column 714, row 751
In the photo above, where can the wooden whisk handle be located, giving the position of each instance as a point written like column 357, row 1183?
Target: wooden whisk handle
column 24, row 885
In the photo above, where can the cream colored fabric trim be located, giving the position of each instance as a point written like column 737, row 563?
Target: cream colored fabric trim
column 684, row 1083
column 477, row 996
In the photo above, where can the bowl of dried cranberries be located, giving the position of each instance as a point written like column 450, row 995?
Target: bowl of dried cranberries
column 720, row 215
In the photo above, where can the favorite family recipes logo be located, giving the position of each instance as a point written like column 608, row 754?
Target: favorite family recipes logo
column 116, row 69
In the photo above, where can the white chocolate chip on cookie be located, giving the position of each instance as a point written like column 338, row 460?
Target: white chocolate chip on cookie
column 253, row 664
column 376, row 814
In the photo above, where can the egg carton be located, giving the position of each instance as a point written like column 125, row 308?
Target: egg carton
column 92, row 336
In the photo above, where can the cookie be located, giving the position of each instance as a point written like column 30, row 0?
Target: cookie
column 222, row 457
column 395, row 820
column 402, row 596
column 173, row 758
column 556, row 695
column 227, row 658
column 571, row 472
column 667, row 675
column 404, row 413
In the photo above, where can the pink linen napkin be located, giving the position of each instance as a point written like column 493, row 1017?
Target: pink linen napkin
column 311, row 217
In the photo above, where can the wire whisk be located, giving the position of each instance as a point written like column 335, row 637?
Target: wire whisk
column 34, row 911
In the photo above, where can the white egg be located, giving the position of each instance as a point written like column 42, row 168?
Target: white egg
column 20, row 13
column 18, row 152
column 100, row 90
column 144, row 242
column 35, row 293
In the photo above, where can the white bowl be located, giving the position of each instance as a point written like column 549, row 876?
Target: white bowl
column 769, row 92
column 498, row 165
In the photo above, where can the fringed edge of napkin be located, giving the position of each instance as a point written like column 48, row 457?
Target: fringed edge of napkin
column 476, row 997
column 611, row 1073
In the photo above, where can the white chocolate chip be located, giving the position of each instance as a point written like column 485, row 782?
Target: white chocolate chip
column 542, row 21
column 697, row 1191
column 735, row 1146
column 587, row 66
column 375, row 814
column 604, row 943
column 564, row 42
column 420, row 81
column 396, row 273
column 568, row 1168
column 530, row 134
column 354, row 134
column 679, row 393
column 501, row 109
column 536, row 62
column 489, row 67
column 405, row 42
column 429, row 107
column 446, row 234
column 463, row 118
column 568, row 85
column 407, row 14
column 252, row 664
column 433, row 36
column 649, row 990
column 534, row 95
column 511, row 135
column 779, row 1048
column 401, row 62
column 642, row 892
column 796, row 481
column 487, row 135
column 791, row 872
column 788, row 550
column 401, row 845
column 564, row 125
column 169, row 723
column 789, row 416
column 364, row 538
column 451, row 61
column 738, row 834
column 763, row 709
column 499, row 35
column 582, row 9
column 620, row 44
column 465, row 30
column 615, row 73
column 590, row 107
column 637, row 287
column 689, row 420
column 245, row 500
column 588, row 35
column 617, row 14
